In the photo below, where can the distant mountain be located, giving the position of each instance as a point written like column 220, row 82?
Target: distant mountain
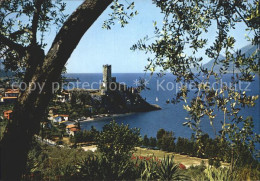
column 210, row 63
column 247, row 50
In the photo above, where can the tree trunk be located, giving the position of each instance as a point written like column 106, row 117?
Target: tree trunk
column 31, row 105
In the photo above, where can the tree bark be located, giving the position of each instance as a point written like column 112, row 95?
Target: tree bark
column 43, row 69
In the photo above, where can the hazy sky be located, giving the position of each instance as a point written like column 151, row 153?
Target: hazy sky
column 99, row 46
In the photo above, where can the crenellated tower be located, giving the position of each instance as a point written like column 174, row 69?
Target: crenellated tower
column 107, row 76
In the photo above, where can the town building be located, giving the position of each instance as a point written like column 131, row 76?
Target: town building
column 12, row 93
column 72, row 129
column 7, row 100
column 89, row 108
column 59, row 118
column 7, row 114
column 9, row 96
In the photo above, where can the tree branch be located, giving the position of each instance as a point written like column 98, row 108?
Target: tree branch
column 20, row 32
column 11, row 44
column 35, row 20
column 72, row 31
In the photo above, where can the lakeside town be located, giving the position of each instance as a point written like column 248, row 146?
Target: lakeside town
column 111, row 100
column 53, row 129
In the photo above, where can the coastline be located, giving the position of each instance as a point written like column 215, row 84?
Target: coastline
column 101, row 117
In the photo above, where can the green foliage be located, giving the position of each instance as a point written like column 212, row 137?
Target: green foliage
column 149, row 142
column 211, row 161
column 80, row 97
column 114, row 162
column 17, row 22
column 116, row 144
column 3, row 124
column 160, row 133
column 196, row 172
column 76, row 107
column 213, row 174
column 120, row 12
column 85, row 136
column 149, row 172
column 91, row 168
column 51, row 131
column 153, row 142
column 166, row 140
column 222, row 173
column 214, row 162
column 102, row 110
column 168, row 170
column 53, row 163
column 116, row 139
column 164, row 169
column 3, row 121
column 183, row 27
column 186, row 146
column 146, row 141
column 247, row 173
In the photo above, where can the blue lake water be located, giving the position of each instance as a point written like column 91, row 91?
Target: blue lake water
column 172, row 116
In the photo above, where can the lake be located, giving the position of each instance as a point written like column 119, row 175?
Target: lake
column 171, row 116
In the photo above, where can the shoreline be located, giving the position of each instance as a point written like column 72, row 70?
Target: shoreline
column 106, row 116
column 101, row 117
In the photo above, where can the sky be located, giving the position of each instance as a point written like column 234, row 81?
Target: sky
column 100, row 46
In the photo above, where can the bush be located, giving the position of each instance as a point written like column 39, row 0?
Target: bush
column 166, row 140
column 53, row 163
column 196, row 172
column 164, row 169
column 216, row 163
column 211, row 161
column 213, row 174
column 146, row 141
column 116, row 144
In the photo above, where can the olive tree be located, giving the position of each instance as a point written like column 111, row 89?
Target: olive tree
column 23, row 25
column 183, row 28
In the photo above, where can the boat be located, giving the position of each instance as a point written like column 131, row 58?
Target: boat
column 156, row 99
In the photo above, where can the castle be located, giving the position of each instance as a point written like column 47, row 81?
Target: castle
column 109, row 83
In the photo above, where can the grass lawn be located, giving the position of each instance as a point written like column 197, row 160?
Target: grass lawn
column 184, row 159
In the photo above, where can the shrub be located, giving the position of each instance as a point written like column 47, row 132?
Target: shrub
column 53, row 163
column 213, row 174
column 168, row 170
column 211, row 161
column 116, row 144
column 216, row 163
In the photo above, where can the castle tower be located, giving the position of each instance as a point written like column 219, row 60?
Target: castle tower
column 107, row 73
column 106, row 78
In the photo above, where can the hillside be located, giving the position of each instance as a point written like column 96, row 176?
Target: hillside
column 210, row 63
column 247, row 50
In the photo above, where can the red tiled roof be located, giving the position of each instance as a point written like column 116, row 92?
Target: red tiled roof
column 71, row 126
column 12, row 91
column 63, row 115
column 74, row 129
